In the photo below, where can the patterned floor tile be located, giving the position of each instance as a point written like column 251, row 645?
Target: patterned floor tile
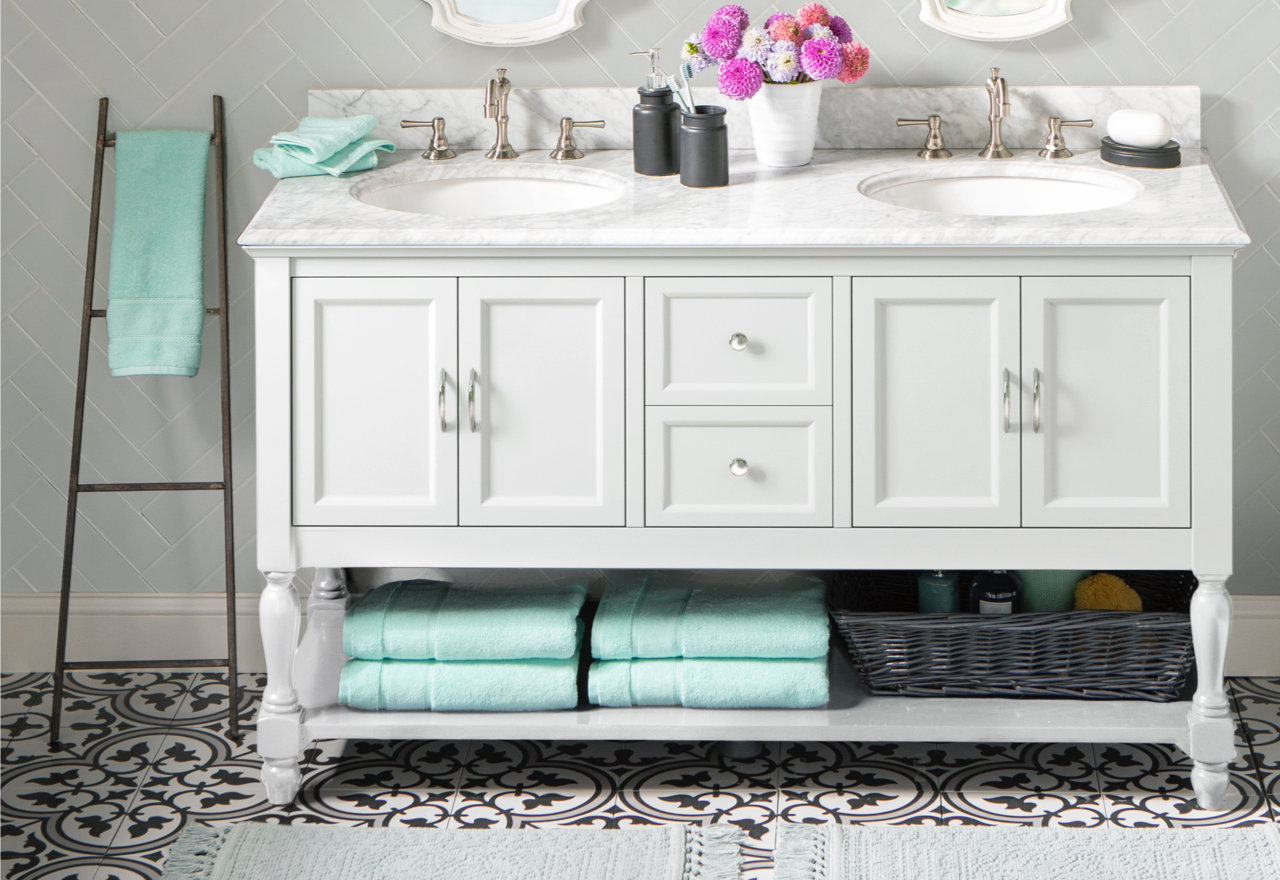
column 1150, row 785
column 1258, row 703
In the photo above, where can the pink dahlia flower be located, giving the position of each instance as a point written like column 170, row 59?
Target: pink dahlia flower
column 785, row 29
column 841, row 29
column 821, row 58
column 813, row 13
column 856, row 60
column 734, row 13
column 721, row 38
column 771, row 19
column 740, row 79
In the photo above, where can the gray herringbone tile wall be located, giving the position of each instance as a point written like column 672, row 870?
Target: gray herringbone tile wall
column 160, row 60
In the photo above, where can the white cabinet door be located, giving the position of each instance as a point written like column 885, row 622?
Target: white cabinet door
column 369, row 359
column 738, row 466
column 545, row 446
column 932, row 358
column 1110, row 446
column 738, row 340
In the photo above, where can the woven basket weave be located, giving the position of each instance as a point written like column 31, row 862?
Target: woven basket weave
column 1101, row 655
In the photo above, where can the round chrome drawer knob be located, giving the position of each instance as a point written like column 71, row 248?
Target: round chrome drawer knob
column 738, row 467
column 738, row 341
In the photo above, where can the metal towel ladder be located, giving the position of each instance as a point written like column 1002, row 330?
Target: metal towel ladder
column 75, row 487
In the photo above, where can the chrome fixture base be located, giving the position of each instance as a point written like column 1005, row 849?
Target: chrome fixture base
column 439, row 149
column 997, row 91
column 495, row 108
column 566, row 146
column 1054, row 146
column 933, row 148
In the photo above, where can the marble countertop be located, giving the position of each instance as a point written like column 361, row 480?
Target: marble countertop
column 816, row 205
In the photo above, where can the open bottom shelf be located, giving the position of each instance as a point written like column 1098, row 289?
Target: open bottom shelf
column 852, row 714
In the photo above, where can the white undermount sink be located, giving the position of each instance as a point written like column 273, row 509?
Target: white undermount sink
column 1019, row 190
column 493, row 192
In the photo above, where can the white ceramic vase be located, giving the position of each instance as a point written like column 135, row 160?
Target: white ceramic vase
column 784, row 122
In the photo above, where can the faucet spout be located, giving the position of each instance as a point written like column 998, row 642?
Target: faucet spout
column 998, row 94
column 495, row 108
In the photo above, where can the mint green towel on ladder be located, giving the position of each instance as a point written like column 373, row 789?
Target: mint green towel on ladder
column 155, row 291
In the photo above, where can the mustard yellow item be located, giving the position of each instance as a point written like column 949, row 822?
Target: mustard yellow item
column 1106, row 592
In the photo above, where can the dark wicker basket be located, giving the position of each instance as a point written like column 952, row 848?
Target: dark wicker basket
column 1099, row 655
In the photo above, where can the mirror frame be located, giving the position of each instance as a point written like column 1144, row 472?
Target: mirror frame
column 447, row 19
column 937, row 14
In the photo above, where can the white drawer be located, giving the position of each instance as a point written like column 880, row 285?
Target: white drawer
column 738, row 466
column 738, row 340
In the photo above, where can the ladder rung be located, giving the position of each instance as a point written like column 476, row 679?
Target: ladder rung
column 148, row 487
column 102, row 313
column 144, row 664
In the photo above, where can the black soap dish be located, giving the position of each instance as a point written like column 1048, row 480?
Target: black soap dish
column 1168, row 156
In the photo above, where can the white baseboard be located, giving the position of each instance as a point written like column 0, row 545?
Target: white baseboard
column 126, row 626
column 153, row 626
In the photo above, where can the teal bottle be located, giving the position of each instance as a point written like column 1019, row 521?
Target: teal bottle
column 939, row 592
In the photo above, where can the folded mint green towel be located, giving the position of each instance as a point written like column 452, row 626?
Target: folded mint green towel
column 155, row 290
column 659, row 617
column 359, row 156
column 709, row 683
column 428, row 620
column 460, row 685
column 318, row 137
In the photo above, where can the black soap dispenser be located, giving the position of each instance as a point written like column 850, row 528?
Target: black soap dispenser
column 655, row 124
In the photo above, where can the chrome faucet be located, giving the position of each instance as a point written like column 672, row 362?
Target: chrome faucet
column 998, row 93
column 495, row 108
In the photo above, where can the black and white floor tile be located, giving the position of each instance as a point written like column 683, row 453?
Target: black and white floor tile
column 146, row 753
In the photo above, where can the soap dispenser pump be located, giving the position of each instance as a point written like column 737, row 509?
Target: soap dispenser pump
column 655, row 124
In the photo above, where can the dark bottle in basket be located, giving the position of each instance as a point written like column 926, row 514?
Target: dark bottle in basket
column 995, row 592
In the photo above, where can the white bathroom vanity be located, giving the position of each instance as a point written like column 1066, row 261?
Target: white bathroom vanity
column 782, row 374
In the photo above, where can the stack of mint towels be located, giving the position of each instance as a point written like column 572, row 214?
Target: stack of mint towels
column 320, row 145
column 453, row 647
column 659, row 642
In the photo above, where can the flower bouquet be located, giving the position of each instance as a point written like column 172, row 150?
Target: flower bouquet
column 780, row 67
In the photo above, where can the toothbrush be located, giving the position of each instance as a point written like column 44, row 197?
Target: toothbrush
column 683, row 91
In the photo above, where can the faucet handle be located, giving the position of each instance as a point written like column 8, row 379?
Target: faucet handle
column 566, row 146
column 439, row 148
column 933, row 148
column 1055, row 147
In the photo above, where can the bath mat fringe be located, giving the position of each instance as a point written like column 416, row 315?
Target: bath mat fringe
column 194, row 853
column 802, row 853
column 262, row 851
column 713, row 852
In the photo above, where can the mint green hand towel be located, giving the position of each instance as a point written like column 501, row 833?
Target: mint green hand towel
column 318, row 137
column 359, row 156
column 709, row 683
column 155, row 290
column 662, row 617
column 460, row 685
column 428, row 620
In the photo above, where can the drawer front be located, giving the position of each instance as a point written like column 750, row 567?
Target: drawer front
column 738, row 341
column 738, row 466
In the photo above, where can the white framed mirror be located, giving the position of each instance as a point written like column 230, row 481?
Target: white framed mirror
column 995, row 19
column 506, row 22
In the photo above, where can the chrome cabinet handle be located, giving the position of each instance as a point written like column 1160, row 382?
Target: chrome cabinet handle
column 738, row 341
column 444, row 427
column 738, row 467
column 471, row 400
column 1035, row 396
column 1006, row 400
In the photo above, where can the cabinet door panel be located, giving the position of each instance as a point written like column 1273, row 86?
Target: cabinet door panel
column 547, row 446
column 930, row 443
column 367, row 441
column 1112, row 446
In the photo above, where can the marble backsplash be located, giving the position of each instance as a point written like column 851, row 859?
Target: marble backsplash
column 859, row 117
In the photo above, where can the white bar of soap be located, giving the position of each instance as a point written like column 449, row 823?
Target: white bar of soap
column 1139, row 128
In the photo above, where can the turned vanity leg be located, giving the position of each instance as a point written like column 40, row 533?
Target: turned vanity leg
column 320, row 658
column 280, row 718
column 1212, row 725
